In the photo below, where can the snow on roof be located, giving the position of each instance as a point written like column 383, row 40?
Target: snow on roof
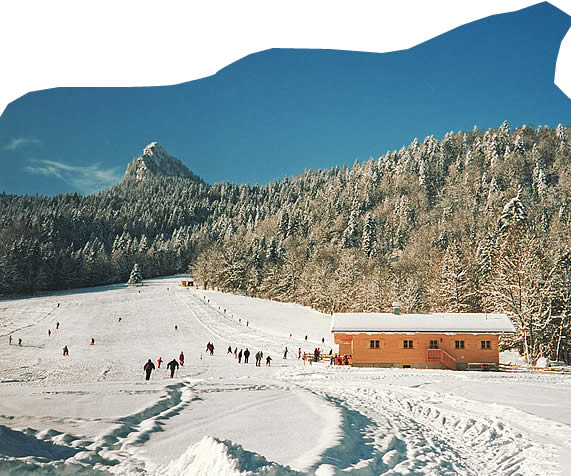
column 437, row 322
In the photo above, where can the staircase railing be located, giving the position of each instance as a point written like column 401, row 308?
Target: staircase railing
column 441, row 357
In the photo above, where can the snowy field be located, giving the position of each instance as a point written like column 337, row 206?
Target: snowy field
column 92, row 412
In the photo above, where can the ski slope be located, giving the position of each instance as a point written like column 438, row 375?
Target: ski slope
column 93, row 412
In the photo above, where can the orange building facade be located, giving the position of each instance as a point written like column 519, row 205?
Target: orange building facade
column 454, row 341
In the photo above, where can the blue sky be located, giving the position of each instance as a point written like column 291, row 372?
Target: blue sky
column 278, row 112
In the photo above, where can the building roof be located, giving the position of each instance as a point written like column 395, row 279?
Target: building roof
column 427, row 323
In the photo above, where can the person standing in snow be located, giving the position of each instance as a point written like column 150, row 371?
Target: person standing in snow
column 285, row 353
column 268, row 360
column 172, row 365
column 246, row 355
column 240, row 356
column 257, row 358
column 148, row 368
column 65, row 351
column 316, row 354
column 159, row 362
column 181, row 359
column 212, row 348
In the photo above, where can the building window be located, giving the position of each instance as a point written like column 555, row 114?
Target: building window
column 408, row 344
column 433, row 344
column 374, row 344
column 486, row 344
column 459, row 344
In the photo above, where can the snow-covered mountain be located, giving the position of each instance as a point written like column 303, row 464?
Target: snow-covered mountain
column 156, row 162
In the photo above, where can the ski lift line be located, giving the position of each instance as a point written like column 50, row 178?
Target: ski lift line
column 30, row 325
column 265, row 341
column 283, row 335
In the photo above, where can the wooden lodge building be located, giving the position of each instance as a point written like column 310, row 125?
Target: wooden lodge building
column 456, row 341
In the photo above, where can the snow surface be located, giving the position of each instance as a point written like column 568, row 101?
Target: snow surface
column 93, row 411
column 422, row 322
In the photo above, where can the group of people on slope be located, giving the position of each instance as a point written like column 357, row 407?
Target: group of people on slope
column 246, row 354
column 173, row 365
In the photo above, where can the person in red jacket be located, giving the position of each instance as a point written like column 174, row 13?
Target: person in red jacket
column 181, row 359
column 159, row 361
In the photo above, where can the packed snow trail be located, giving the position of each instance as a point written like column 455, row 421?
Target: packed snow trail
column 93, row 411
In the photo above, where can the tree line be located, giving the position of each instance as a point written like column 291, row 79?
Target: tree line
column 476, row 222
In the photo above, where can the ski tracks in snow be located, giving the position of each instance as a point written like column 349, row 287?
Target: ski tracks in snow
column 411, row 430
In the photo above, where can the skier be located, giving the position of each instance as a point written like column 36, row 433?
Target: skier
column 148, row 368
column 305, row 337
column 299, row 353
column 211, row 348
column 92, row 341
column 316, row 354
column 181, row 359
column 118, row 319
column 20, row 341
column 323, row 340
column 285, row 353
column 236, row 353
column 58, row 304
column 65, row 351
column 330, row 359
column 247, row 323
column 257, row 358
column 172, row 365
column 175, row 327
column 240, row 356
column 57, row 325
column 159, row 362
column 246, row 355
column 10, row 340
column 49, row 332
column 268, row 360
column 229, row 350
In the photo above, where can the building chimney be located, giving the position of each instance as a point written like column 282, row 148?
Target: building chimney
column 396, row 308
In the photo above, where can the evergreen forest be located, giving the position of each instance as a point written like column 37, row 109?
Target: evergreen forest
column 476, row 222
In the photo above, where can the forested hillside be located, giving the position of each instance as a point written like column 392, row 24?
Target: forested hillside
column 479, row 221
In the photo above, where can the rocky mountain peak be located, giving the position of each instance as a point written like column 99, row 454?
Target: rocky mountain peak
column 156, row 162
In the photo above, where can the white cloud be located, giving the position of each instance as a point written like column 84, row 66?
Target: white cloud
column 17, row 142
column 86, row 179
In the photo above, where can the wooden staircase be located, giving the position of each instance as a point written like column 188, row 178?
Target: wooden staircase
column 438, row 356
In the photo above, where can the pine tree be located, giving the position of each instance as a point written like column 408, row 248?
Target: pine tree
column 136, row 277
column 369, row 235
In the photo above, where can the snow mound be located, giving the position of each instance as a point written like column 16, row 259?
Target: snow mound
column 211, row 456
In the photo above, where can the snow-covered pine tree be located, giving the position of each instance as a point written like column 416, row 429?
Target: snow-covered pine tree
column 369, row 234
column 136, row 278
column 350, row 237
